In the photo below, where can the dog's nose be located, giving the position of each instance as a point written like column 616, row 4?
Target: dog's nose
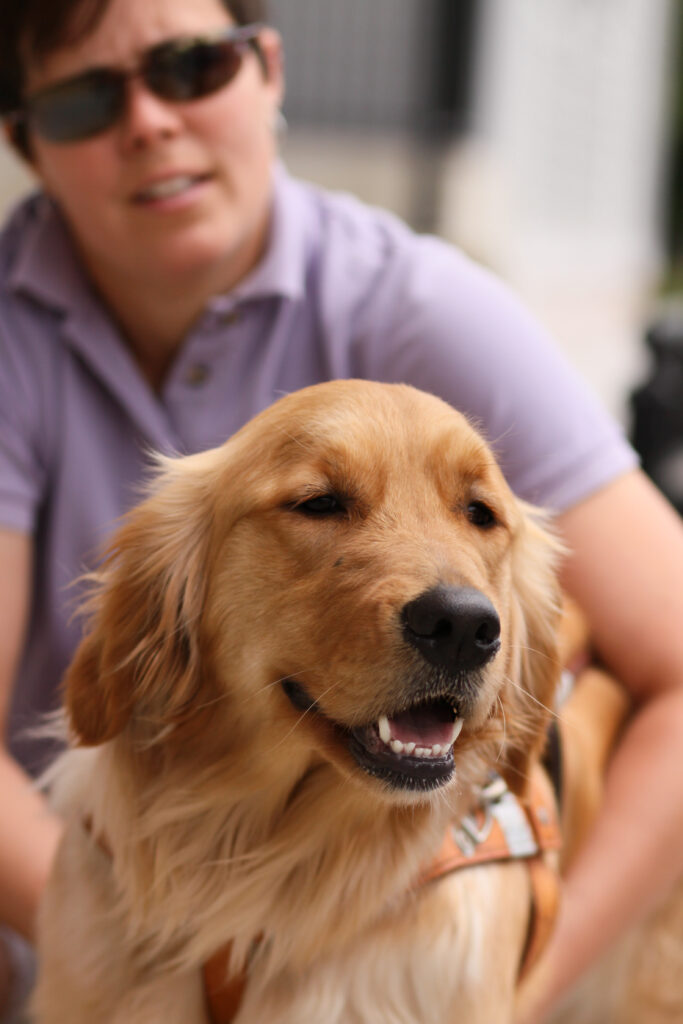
column 453, row 627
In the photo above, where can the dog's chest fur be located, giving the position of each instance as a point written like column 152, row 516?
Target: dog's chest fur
column 449, row 947
column 448, row 955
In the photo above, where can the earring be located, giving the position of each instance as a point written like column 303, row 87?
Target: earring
column 280, row 125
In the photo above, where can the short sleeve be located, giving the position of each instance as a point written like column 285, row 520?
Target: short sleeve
column 22, row 464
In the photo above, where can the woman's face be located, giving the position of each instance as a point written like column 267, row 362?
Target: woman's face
column 215, row 155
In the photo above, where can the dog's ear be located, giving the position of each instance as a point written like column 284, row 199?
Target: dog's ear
column 141, row 648
column 535, row 615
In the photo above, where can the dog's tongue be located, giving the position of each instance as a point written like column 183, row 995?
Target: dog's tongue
column 425, row 725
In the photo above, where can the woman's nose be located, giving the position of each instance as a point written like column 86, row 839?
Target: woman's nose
column 146, row 116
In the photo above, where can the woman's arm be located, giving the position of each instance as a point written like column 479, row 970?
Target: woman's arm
column 626, row 571
column 29, row 832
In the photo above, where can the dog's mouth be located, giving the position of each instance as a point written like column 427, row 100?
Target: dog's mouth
column 411, row 749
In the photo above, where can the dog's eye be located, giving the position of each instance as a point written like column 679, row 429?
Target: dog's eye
column 479, row 514
column 321, row 505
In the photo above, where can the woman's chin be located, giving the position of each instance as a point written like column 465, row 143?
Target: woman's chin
column 192, row 258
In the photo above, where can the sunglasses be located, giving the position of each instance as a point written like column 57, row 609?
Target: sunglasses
column 177, row 70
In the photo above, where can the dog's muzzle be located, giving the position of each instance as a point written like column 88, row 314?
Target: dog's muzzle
column 456, row 630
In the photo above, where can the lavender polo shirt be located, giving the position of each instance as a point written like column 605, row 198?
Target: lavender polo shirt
column 343, row 291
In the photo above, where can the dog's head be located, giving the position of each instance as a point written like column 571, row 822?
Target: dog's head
column 348, row 578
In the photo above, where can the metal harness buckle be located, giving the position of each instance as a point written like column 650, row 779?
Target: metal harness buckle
column 496, row 804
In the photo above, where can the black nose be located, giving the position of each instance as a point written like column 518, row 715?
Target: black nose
column 453, row 627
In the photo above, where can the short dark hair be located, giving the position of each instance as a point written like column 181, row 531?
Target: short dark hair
column 40, row 26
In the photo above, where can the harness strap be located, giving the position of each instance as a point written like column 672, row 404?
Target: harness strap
column 504, row 828
column 501, row 828
column 223, row 994
column 544, row 876
column 545, row 904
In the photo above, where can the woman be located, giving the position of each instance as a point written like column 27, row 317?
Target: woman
column 169, row 281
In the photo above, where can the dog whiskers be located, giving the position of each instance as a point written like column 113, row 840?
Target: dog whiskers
column 533, row 650
column 529, row 694
column 501, row 747
column 255, row 693
column 245, row 700
column 302, row 716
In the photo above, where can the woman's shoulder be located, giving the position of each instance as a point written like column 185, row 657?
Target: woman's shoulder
column 27, row 325
column 391, row 272
column 19, row 225
column 368, row 255
column 41, row 280
column 340, row 223
column 33, row 251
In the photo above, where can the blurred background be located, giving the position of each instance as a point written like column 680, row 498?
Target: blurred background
column 545, row 137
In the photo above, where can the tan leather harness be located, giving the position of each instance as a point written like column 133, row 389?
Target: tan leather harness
column 505, row 828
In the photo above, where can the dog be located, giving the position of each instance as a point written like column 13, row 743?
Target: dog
column 306, row 652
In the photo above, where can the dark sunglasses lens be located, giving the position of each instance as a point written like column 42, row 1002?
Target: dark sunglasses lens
column 187, row 72
column 78, row 108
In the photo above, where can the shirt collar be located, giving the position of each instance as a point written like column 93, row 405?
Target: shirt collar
column 47, row 267
column 282, row 271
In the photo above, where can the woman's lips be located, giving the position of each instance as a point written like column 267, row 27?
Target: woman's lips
column 169, row 190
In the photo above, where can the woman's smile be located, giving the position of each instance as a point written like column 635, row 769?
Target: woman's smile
column 172, row 191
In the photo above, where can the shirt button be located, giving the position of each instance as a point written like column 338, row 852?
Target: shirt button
column 197, row 374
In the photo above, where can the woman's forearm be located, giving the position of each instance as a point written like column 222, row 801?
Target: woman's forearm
column 631, row 860
column 28, row 839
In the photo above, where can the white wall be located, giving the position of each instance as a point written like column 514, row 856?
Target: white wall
column 14, row 181
column 559, row 187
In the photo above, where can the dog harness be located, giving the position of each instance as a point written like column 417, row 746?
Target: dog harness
column 502, row 828
column 505, row 828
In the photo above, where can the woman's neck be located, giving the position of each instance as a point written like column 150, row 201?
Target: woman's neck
column 155, row 332
column 153, row 320
column 155, row 312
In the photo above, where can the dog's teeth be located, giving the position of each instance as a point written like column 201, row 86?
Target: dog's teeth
column 436, row 751
column 384, row 730
column 411, row 749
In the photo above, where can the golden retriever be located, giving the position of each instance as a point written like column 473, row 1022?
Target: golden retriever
column 306, row 652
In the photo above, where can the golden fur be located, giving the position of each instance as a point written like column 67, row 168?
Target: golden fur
column 215, row 809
